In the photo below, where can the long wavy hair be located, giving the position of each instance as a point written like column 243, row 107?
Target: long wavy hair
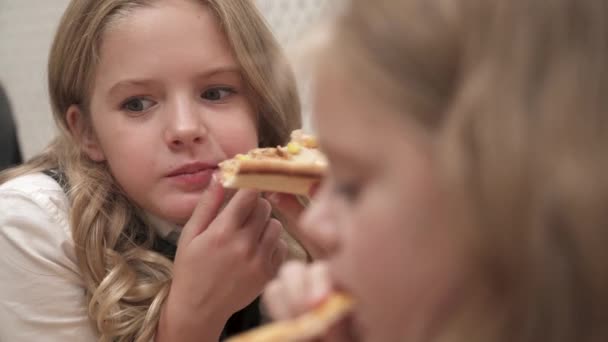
column 126, row 280
column 516, row 93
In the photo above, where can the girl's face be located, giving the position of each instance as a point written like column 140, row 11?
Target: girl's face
column 169, row 103
column 391, row 248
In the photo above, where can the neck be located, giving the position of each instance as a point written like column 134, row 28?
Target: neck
column 165, row 229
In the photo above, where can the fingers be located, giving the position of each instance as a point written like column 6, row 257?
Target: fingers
column 271, row 236
column 287, row 205
column 298, row 288
column 312, row 227
column 318, row 232
column 256, row 225
column 238, row 210
column 279, row 256
column 312, row 192
column 320, row 286
column 318, row 225
column 272, row 250
column 205, row 212
column 281, row 297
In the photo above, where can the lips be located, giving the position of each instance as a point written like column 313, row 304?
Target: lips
column 192, row 176
column 192, row 168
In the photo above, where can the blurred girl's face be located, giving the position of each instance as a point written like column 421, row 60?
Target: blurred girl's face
column 392, row 250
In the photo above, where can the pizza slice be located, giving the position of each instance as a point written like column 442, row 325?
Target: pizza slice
column 293, row 168
column 308, row 326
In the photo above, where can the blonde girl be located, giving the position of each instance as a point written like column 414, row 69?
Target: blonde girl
column 148, row 96
column 468, row 190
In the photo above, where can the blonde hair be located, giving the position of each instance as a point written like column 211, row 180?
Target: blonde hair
column 126, row 281
column 516, row 93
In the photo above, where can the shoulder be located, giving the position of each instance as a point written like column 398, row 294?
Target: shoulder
column 31, row 183
column 34, row 222
column 46, row 295
column 34, row 197
column 35, row 232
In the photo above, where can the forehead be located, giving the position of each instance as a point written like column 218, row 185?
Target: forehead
column 336, row 101
column 355, row 121
column 346, row 113
column 170, row 36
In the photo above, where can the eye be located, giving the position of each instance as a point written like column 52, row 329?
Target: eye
column 217, row 94
column 348, row 191
column 138, row 104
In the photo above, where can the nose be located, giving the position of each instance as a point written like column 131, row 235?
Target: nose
column 186, row 127
column 318, row 224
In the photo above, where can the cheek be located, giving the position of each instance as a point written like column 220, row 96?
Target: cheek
column 129, row 150
column 236, row 132
column 368, row 263
column 397, row 259
column 368, row 231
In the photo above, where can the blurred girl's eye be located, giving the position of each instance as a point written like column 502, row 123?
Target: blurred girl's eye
column 138, row 104
column 217, row 93
column 349, row 192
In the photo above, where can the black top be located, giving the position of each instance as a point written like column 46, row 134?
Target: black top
column 243, row 320
column 247, row 318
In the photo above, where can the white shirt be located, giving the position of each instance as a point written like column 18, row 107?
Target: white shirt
column 42, row 295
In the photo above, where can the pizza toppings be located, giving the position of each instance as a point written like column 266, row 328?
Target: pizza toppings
column 292, row 168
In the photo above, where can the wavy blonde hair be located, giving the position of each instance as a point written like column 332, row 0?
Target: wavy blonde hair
column 126, row 281
column 516, row 92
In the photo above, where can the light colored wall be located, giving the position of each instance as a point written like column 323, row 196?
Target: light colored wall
column 26, row 31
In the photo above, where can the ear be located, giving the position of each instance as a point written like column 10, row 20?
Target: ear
column 83, row 134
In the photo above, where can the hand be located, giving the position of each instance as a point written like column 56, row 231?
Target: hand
column 299, row 288
column 316, row 236
column 222, row 264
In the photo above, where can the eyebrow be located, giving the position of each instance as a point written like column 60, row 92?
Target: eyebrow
column 220, row 70
column 146, row 82
column 129, row 83
column 336, row 151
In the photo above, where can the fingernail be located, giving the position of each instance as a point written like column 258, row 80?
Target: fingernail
column 313, row 189
column 274, row 198
column 318, row 296
column 215, row 177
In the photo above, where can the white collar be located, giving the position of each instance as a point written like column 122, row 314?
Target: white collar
column 166, row 230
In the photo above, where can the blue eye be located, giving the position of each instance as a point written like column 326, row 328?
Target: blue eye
column 217, row 94
column 138, row 104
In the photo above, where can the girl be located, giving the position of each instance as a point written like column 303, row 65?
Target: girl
column 149, row 96
column 467, row 142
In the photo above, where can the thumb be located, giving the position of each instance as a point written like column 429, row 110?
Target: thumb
column 287, row 205
column 205, row 212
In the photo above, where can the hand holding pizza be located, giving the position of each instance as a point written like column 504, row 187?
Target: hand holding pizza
column 289, row 175
column 306, row 308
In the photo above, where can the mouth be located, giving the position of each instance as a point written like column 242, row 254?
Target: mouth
column 352, row 324
column 192, row 168
column 193, row 176
column 355, row 327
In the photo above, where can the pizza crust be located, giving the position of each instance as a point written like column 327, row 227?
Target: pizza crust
column 305, row 327
column 273, row 183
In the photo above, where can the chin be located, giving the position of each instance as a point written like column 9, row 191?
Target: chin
column 179, row 214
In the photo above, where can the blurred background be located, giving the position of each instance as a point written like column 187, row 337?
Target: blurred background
column 27, row 28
